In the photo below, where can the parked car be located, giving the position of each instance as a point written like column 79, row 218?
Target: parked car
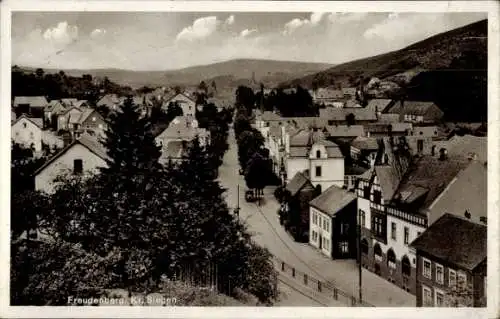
column 250, row 196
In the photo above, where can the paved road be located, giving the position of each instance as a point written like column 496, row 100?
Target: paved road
column 263, row 223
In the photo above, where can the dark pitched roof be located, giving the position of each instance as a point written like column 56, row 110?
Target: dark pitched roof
column 465, row 145
column 365, row 143
column 345, row 130
column 33, row 101
column 412, row 107
column 339, row 114
column 388, row 118
column 426, row 178
column 332, row 200
column 300, row 144
column 326, row 93
column 378, row 105
column 455, row 240
column 297, row 183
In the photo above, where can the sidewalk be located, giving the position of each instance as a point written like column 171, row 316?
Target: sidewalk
column 341, row 273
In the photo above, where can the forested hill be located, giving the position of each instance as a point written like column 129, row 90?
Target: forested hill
column 449, row 68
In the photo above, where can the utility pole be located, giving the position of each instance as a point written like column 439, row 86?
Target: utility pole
column 360, row 269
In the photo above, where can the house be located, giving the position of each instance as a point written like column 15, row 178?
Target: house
column 111, row 101
column 451, row 264
column 387, row 118
column 52, row 110
column 393, row 202
column 27, row 132
column 92, row 123
column 174, row 151
column 69, row 102
column 82, row 103
column 465, row 196
column 364, row 150
column 187, row 104
column 276, row 146
column 378, row 105
column 182, row 128
column 320, row 159
column 338, row 116
column 33, row 105
column 352, row 173
column 84, row 156
column 344, row 131
column 388, row 129
column 53, row 141
column 333, row 223
column 295, row 216
column 416, row 111
column 67, row 118
column 327, row 96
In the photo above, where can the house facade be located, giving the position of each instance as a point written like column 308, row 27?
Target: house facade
column 451, row 267
column 84, row 157
column 92, row 123
column 417, row 111
column 393, row 204
column 332, row 223
column 28, row 132
column 321, row 159
column 187, row 104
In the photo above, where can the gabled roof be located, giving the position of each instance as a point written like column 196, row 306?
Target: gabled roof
column 454, row 240
column 332, row 200
column 412, row 107
column 339, row 114
column 467, row 192
column 465, row 145
column 35, row 120
column 345, row 130
column 108, row 100
column 179, row 94
column 80, row 103
column 54, row 104
column 69, row 101
column 378, row 105
column 297, row 183
column 182, row 128
column 32, row 101
column 86, row 113
column 91, row 143
column 425, row 179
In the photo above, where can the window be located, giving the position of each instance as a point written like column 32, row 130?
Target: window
column 362, row 218
column 462, row 279
column 439, row 296
column 405, row 266
column 77, row 166
column 32, row 135
column 377, row 252
column 24, row 125
column 366, row 191
column 377, row 197
column 420, row 146
column 378, row 224
column 324, row 223
column 318, row 154
column 364, row 246
column 344, row 247
column 439, row 274
column 407, row 235
column 315, row 218
column 393, row 231
column 17, row 133
column 391, row 259
column 100, row 126
column 427, row 297
column 452, row 278
column 427, row 268
column 318, row 171
column 93, row 119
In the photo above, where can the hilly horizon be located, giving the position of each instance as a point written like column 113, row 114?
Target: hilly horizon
column 230, row 73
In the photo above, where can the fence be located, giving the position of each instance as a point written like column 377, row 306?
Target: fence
column 325, row 288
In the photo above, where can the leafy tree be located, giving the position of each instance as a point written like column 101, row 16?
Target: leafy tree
column 249, row 142
column 258, row 173
column 245, row 97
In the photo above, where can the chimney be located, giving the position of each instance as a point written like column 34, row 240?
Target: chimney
column 433, row 150
column 443, row 154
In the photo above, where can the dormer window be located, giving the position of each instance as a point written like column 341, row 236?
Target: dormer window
column 318, row 154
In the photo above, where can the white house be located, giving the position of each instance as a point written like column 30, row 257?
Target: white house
column 27, row 132
column 187, row 104
column 320, row 159
column 84, row 156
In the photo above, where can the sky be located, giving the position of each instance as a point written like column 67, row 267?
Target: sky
column 173, row 40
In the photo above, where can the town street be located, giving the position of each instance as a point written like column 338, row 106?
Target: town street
column 263, row 223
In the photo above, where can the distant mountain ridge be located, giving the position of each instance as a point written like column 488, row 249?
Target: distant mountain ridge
column 449, row 69
column 232, row 72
